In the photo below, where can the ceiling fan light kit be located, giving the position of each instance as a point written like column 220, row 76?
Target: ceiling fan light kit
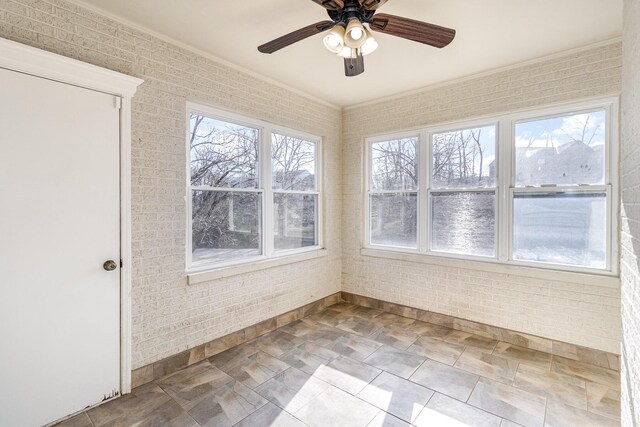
column 350, row 38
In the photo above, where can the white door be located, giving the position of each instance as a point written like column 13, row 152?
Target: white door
column 59, row 222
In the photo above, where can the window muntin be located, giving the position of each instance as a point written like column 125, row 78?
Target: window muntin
column 253, row 190
column 393, row 195
column 295, row 198
column 439, row 195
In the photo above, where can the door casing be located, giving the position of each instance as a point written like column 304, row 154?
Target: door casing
column 29, row 60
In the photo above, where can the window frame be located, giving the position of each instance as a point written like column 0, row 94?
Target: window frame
column 504, row 188
column 368, row 191
column 264, row 188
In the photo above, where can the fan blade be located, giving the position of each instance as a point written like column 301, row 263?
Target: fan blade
column 296, row 36
column 418, row 31
column 372, row 4
column 353, row 66
column 331, row 4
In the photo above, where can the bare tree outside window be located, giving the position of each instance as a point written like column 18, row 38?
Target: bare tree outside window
column 393, row 207
column 394, row 164
column 224, row 156
column 463, row 158
column 463, row 222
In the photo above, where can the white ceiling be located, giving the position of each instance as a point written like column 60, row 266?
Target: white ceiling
column 490, row 34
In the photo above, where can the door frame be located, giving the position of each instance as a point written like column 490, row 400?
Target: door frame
column 39, row 63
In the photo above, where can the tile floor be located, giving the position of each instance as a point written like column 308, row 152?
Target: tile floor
column 354, row 366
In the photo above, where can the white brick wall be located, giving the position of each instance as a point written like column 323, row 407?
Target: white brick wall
column 630, row 151
column 582, row 314
column 168, row 315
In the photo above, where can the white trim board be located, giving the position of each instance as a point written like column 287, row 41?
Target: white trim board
column 29, row 60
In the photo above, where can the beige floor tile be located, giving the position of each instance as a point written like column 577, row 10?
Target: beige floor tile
column 394, row 319
column 272, row 416
column 360, row 326
column 146, row 405
column 354, row 346
column 445, row 379
column 308, row 373
column 560, row 415
column 507, row 423
column 429, row 329
column 488, row 365
column 384, row 419
column 586, row 372
column 397, row 362
column 330, row 317
column 309, row 357
column 397, row 396
column 347, row 374
column 395, row 336
column 523, row 355
column 301, row 328
column 256, row 369
column 276, row 343
column 468, row 339
column 509, row 402
column 603, row 400
column 336, row 408
column 445, row 411
column 80, row 420
column 552, row 385
column 292, row 389
column 437, row 349
column 211, row 397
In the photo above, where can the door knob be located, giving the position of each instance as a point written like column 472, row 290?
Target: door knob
column 110, row 265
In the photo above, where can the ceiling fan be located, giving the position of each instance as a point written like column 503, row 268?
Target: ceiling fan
column 350, row 39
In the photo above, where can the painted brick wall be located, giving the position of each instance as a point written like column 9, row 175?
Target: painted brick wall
column 577, row 313
column 168, row 315
column 630, row 151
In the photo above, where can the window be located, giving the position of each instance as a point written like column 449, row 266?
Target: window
column 393, row 214
column 295, row 196
column 560, row 197
column 463, row 191
column 533, row 189
column 253, row 190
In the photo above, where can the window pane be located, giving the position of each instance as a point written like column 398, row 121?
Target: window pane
column 294, row 221
column 465, row 158
column 393, row 220
column 567, row 229
column 463, row 223
column 294, row 163
column 562, row 150
column 223, row 154
column 394, row 164
column 225, row 225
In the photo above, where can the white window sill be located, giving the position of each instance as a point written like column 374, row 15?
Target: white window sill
column 201, row 276
column 602, row 280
